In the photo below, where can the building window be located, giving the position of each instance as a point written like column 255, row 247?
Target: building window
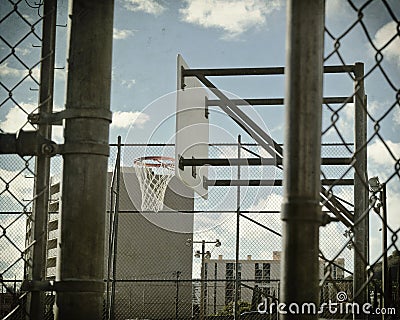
column 262, row 272
column 257, row 273
column 266, row 272
column 229, row 268
column 229, row 284
column 229, row 291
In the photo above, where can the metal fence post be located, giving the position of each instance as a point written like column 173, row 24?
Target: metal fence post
column 360, row 189
column 36, row 302
column 115, row 229
column 301, row 211
column 80, row 269
column 203, row 282
column 237, row 280
column 386, row 283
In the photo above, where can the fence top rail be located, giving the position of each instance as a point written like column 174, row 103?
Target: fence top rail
column 329, row 144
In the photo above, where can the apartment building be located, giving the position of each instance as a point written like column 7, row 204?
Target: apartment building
column 262, row 274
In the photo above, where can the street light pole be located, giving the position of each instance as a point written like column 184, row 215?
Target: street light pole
column 202, row 292
column 178, row 275
column 385, row 278
column 376, row 186
column 203, row 254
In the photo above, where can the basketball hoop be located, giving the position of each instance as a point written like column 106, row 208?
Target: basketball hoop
column 154, row 174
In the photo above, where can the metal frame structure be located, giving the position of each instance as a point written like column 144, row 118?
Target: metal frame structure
column 231, row 108
column 254, row 131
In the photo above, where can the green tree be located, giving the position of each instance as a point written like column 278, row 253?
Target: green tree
column 228, row 310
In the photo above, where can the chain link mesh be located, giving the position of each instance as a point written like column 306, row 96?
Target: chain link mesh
column 173, row 290
column 20, row 43
column 377, row 213
column 215, row 218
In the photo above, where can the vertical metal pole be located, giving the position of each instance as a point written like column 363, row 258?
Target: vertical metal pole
column 36, row 302
column 202, row 291
column 385, row 276
column 80, row 269
column 116, row 224
column 237, row 280
column 360, row 191
column 113, row 232
column 301, row 211
column 178, row 274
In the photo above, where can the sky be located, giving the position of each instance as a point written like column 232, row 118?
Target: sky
column 148, row 36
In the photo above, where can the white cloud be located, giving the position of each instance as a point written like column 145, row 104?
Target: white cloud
column 19, row 186
column 396, row 115
column 128, row 83
column 338, row 9
column 148, row 6
column 232, row 16
column 16, row 118
column 383, row 36
column 5, row 70
column 123, row 119
column 378, row 153
column 348, row 111
column 57, row 134
column 23, row 51
column 272, row 202
column 119, row 34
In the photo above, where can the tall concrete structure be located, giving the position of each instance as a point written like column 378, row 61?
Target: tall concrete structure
column 148, row 248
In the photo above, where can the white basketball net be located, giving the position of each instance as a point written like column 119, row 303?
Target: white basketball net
column 154, row 176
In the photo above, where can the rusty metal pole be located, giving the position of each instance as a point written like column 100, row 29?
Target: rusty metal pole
column 301, row 210
column 361, row 192
column 80, row 268
column 36, row 300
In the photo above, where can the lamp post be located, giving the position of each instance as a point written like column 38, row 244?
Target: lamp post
column 376, row 186
column 204, row 255
column 178, row 275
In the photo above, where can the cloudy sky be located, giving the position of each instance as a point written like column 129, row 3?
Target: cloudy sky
column 149, row 34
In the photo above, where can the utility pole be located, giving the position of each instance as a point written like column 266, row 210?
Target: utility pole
column 203, row 285
column 80, row 268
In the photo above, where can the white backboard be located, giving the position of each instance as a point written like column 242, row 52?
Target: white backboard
column 192, row 129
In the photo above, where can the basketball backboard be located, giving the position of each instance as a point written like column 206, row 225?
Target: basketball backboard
column 192, row 129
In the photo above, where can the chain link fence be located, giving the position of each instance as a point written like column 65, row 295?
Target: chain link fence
column 143, row 286
column 153, row 271
column 373, row 237
column 20, row 58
